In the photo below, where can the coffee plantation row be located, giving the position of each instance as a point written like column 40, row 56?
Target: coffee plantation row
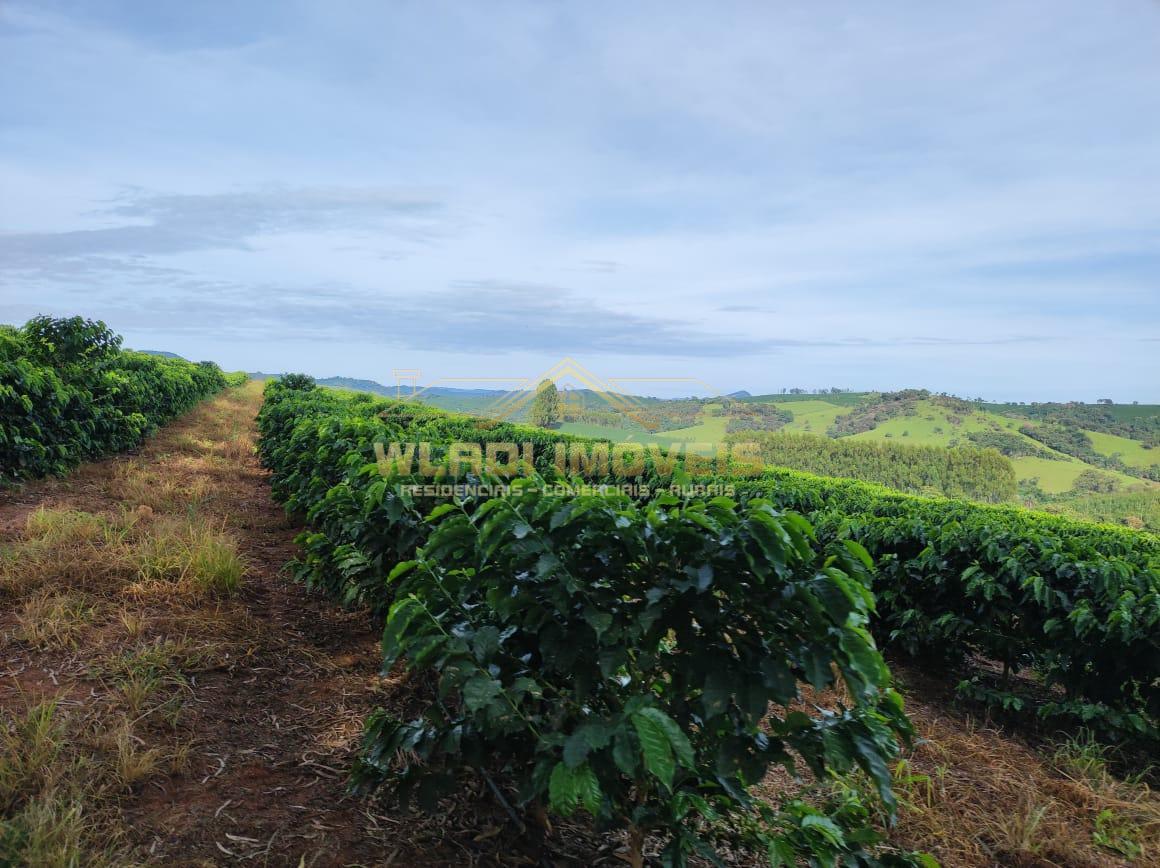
column 641, row 662
column 69, row 393
column 553, row 622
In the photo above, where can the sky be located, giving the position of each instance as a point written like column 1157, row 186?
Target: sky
column 735, row 195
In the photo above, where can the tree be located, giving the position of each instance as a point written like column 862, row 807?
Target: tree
column 545, row 412
column 66, row 343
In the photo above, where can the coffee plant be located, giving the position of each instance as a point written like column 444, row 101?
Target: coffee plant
column 590, row 691
column 68, row 393
column 1074, row 603
column 627, row 659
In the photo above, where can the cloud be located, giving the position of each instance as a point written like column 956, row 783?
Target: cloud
column 487, row 316
column 599, row 266
column 742, row 308
column 772, row 187
column 155, row 224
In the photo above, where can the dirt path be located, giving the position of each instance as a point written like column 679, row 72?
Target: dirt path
column 258, row 704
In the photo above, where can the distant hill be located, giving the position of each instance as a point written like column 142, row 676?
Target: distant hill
column 1099, row 461
column 162, row 353
column 338, row 383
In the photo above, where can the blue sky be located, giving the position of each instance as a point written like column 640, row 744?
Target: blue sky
column 960, row 197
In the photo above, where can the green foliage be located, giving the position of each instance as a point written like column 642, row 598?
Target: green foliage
column 68, row 343
column 1011, row 445
column 1135, row 423
column 841, row 397
column 747, row 416
column 602, row 416
column 545, row 410
column 956, row 582
column 606, row 656
column 622, row 658
column 1077, row 603
column 656, row 415
column 1136, row 509
column 236, row 378
column 69, row 393
column 1094, row 482
column 975, row 474
column 875, row 410
column 297, row 382
column 1073, row 441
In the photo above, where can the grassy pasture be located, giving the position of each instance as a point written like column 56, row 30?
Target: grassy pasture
column 1132, row 452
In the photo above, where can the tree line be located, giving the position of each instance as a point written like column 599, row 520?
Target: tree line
column 966, row 472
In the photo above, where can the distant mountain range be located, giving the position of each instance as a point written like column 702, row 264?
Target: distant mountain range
column 338, row 383
column 436, row 392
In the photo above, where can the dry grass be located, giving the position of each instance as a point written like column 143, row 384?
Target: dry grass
column 238, row 447
column 975, row 796
column 51, row 619
column 56, row 542
column 117, row 583
column 187, row 554
column 134, row 762
column 52, row 801
column 160, row 490
column 142, row 548
column 134, row 623
column 61, row 770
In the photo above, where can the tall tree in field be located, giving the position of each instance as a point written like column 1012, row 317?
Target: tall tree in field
column 545, row 410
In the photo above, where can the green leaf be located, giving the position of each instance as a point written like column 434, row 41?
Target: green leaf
column 485, row 643
column 624, row 754
column 716, row 693
column 655, row 748
column 589, row 789
column 779, row 679
column 598, row 621
column 572, row 788
column 575, row 749
column 440, row 511
column 399, row 619
column 480, row 690
column 678, row 741
column 401, row 568
column 826, row 827
column 586, row 738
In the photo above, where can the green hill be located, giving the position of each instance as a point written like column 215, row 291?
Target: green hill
column 1097, row 461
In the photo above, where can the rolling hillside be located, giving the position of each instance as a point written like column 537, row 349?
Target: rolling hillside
column 1095, row 461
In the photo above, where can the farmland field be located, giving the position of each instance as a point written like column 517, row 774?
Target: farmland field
column 1131, row 452
column 157, row 585
column 583, row 429
column 1055, row 477
column 209, row 690
column 814, row 416
column 932, row 424
column 579, row 435
column 710, row 430
column 331, row 566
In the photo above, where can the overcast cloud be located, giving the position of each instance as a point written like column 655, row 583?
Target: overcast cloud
column 755, row 194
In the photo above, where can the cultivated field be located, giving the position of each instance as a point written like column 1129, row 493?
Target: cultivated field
column 157, row 713
column 237, row 642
